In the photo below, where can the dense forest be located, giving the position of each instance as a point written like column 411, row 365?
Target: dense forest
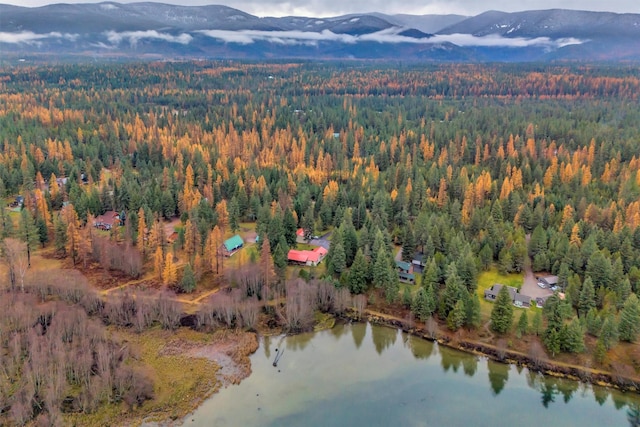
column 478, row 168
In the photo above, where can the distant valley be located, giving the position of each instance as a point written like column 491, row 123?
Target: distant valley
column 162, row 31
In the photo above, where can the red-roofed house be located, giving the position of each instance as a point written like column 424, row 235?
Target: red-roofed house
column 309, row 258
column 107, row 220
column 298, row 257
column 300, row 235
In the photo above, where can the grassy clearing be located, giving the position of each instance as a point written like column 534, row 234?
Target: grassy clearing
column 181, row 382
column 486, row 279
column 305, row 247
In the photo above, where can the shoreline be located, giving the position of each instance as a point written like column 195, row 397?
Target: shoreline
column 239, row 363
column 545, row 366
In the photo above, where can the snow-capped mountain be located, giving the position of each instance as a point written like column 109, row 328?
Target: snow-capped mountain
column 169, row 31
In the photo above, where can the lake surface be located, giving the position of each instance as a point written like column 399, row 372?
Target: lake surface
column 365, row 375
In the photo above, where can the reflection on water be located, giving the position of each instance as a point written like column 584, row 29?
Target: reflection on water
column 358, row 335
column 384, row 339
column 498, row 376
column 633, row 415
column 389, row 378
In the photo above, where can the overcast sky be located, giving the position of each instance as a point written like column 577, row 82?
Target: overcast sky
column 338, row 7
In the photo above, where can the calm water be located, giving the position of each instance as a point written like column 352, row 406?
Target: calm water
column 364, row 375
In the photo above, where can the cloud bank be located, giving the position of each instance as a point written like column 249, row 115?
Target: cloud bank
column 133, row 37
column 392, row 35
column 28, row 37
column 308, row 38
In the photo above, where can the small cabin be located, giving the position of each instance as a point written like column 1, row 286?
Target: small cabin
column 232, row 245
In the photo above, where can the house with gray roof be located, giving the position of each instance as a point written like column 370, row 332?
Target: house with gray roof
column 518, row 299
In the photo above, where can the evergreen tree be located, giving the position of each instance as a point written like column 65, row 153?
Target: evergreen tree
column 431, row 275
column 188, row 282
column 629, row 326
column 552, row 341
column 408, row 245
column 6, row 223
column 536, row 324
column 486, row 257
column 537, row 242
column 609, row 332
column 391, row 285
column 593, row 322
column 573, row 290
column 419, row 306
column 380, row 270
column 572, row 337
column 623, row 292
column 456, row 317
column 407, row 299
column 502, row 312
column 523, row 324
column 600, row 352
column 60, row 237
column 338, row 260
column 473, row 313
column 358, row 274
column 28, row 232
column 280, row 257
column 452, row 293
column 307, row 223
column 43, row 232
column 349, row 238
column 234, row 215
column 289, row 225
column 600, row 270
column 556, row 311
column 430, row 300
column 468, row 271
column 587, row 299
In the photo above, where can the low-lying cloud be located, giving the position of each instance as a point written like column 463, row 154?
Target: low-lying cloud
column 308, row 38
column 29, row 37
column 133, row 37
column 392, row 35
column 495, row 40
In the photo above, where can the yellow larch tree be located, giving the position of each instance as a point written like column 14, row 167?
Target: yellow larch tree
column 142, row 232
column 575, row 236
column 169, row 272
column 158, row 263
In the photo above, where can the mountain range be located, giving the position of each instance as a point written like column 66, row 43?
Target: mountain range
column 163, row 31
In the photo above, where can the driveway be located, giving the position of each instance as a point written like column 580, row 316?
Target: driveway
column 530, row 286
column 322, row 241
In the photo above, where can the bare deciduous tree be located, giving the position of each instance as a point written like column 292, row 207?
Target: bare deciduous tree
column 341, row 301
column 359, row 304
column 501, row 348
column 299, row 307
column 249, row 310
column 325, row 295
column 537, row 355
column 169, row 310
column 431, row 326
column 14, row 252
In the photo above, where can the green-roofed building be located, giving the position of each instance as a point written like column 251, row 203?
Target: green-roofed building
column 233, row 245
column 404, row 267
column 407, row 277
